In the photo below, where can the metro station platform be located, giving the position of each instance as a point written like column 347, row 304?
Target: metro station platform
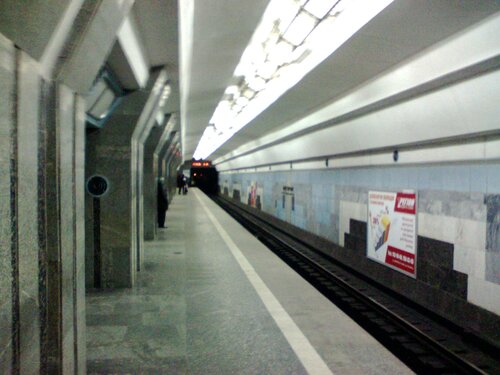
column 213, row 300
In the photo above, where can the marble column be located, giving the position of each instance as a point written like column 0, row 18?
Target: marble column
column 62, row 170
column 162, row 144
column 111, row 153
column 9, row 349
column 159, row 93
column 150, row 183
column 28, row 93
column 40, row 312
column 45, row 67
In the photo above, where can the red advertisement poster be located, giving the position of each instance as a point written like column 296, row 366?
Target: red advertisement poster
column 392, row 230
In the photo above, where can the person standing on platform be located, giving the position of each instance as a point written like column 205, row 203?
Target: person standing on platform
column 162, row 202
column 180, row 182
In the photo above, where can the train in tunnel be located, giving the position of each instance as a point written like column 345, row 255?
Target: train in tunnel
column 204, row 176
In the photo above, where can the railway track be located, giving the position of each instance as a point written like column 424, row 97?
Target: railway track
column 426, row 344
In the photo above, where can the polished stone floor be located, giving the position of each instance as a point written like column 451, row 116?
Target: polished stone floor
column 194, row 311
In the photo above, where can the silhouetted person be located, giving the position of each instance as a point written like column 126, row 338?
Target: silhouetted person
column 162, row 203
column 180, row 182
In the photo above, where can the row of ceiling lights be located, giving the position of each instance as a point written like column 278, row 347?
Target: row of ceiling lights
column 285, row 47
column 280, row 48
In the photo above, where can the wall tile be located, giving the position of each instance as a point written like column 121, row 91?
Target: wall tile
column 348, row 211
column 450, row 210
column 432, row 226
column 478, row 178
column 431, row 178
column 456, row 178
column 470, row 261
column 470, row 233
column 493, row 186
column 484, row 293
column 435, row 252
column 492, row 272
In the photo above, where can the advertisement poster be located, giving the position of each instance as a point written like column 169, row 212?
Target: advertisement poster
column 254, row 194
column 237, row 192
column 392, row 230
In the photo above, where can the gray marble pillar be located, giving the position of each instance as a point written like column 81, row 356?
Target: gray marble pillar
column 42, row 138
column 28, row 92
column 114, row 152
column 108, row 155
column 80, row 342
column 7, row 86
column 40, row 311
column 163, row 142
column 62, row 171
column 159, row 93
column 150, row 183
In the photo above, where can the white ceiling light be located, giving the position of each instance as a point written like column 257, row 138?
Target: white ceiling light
column 256, row 83
column 282, row 53
column 231, row 90
column 267, row 70
column 319, row 8
column 300, row 28
column 287, row 14
column 248, row 93
column 293, row 38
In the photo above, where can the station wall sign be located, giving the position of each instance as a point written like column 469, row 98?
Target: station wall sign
column 392, row 230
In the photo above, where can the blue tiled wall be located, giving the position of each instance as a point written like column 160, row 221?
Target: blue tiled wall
column 315, row 213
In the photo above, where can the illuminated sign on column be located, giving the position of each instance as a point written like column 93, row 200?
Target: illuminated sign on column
column 392, row 230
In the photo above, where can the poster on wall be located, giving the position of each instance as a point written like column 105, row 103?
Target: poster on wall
column 254, row 195
column 237, row 192
column 392, row 230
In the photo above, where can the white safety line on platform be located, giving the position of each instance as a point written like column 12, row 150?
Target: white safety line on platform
column 304, row 350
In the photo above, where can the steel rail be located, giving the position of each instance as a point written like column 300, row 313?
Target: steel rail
column 456, row 362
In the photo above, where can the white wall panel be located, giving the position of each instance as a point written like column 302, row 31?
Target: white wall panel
column 447, row 113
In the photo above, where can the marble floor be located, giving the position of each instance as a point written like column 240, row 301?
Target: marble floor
column 194, row 310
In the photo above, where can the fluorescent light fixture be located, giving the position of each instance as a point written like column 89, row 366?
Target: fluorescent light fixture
column 231, row 90
column 300, row 28
column 287, row 14
column 293, row 37
column 248, row 93
column 319, row 8
column 282, row 53
column 267, row 70
column 256, row 83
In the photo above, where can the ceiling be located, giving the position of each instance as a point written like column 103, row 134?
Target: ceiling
column 221, row 29
column 157, row 21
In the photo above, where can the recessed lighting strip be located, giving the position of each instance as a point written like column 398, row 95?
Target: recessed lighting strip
column 293, row 37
